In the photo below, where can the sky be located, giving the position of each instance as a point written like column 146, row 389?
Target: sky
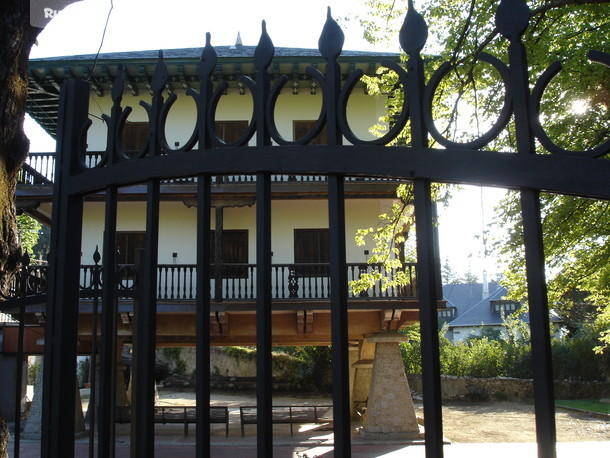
column 159, row 24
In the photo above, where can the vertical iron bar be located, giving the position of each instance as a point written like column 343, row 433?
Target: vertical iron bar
column 264, row 431
column 22, row 285
column 108, row 363
column 218, row 275
column 428, row 299
column 512, row 22
column 143, row 432
column 413, row 36
column 264, row 380
column 330, row 45
column 203, row 316
column 63, row 297
column 339, row 316
column 93, row 355
column 544, row 396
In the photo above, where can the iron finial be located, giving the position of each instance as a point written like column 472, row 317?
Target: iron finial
column 161, row 74
column 512, row 18
column 208, row 57
column 118, row 84
column 25, row 259
column 414, row 32
column 331, row 39
column 96, row 255
column 263, row 54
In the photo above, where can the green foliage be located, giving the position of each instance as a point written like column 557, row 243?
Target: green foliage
column 172, row 354
column 592, row 405
column 29, row 232
column 314, row 374
column 392, row 246
column 240, row 353
column 508, row 356
column 575, row 113
column 307, row 368
column 33, row 370
column 82, row 372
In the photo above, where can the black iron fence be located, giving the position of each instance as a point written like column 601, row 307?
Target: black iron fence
column 206, row 156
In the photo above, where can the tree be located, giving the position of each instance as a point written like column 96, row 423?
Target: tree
column 448, row 274
column 16, row 39
column 576, row 108
column 17, row 36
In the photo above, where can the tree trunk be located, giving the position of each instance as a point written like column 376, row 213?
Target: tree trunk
column 4, row 437
column 16, row 39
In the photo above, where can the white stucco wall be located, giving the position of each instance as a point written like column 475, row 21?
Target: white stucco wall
column 363, row 112
column 177, row 226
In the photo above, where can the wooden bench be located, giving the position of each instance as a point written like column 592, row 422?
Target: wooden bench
column 291, row 415
column 188, row 414
column 181, row 414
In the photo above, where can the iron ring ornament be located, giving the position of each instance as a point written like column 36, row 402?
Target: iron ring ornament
column 511, row 21
column 494, row 130
column 538, row 93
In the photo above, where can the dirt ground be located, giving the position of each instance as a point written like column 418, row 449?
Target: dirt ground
column 514, row 422
column 462, row 422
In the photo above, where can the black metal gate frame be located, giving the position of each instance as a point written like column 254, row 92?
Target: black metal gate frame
column 566, row 172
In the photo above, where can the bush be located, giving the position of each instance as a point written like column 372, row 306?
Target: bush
column 573, row 358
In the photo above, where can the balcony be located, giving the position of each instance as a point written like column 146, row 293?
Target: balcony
column 39, row 169
column 176, row 283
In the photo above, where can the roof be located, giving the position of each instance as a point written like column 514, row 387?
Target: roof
column 471, row 308
column 46, row 75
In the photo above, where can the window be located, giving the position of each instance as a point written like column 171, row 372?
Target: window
column 311, row 247
column 135, row 135
column 230, row 131
column 504, row 306
column 234, row 251
column 447, row 314
column 128, row 244
column 302, row 128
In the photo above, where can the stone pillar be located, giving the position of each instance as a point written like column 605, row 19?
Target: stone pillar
column 362, row 377
column 32, row 430
column 353, row 357
column 390, row 413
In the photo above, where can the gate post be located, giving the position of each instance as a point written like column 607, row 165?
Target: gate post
column 63, row 294
column 413, row 35
column 512, row 21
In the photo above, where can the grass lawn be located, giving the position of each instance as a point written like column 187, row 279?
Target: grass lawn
column 592, row 405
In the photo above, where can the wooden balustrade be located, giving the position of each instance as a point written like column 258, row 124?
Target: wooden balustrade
column 177, row 282
column 39, row 169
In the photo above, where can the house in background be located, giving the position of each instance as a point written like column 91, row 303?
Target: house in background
column 299, row 202
column 474, row 307
column 299, row 205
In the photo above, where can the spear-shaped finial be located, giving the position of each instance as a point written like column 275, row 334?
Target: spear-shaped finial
column 208, row 57
column 331, row 39
column 512, row 18
column 118, row 85
column 263, row 54
column 96, row 255
column 161, row 74
column 414, row 32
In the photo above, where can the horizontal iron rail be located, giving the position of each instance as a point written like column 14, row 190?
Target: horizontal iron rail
column 39, row 170
column 550, row 173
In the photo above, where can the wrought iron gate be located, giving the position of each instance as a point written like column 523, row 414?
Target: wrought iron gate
column 204, row 155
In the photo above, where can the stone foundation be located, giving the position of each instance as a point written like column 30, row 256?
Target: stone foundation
column 390, row 413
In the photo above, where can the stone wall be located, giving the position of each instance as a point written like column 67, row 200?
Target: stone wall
column 509, row 389
column 224, row 364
